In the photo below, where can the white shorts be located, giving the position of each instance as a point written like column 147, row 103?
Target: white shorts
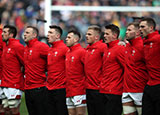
column 12, row 93
column 135, row 97
column 76, row 101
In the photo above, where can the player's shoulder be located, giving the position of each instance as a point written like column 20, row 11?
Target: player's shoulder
column 101, row 45
column 119, row 48
column 17, row 44
column 42, row 44
column 81, row 51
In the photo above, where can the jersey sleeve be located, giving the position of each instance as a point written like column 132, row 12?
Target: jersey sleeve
column 20, row 53
column 1, row 41
column 103, row 48
column 83, row 55
column 44, row 48
column 66, row 49
column 121, row 56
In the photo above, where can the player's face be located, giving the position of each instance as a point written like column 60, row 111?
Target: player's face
column 5, row 34
column 70, row 40
column 131, row 32
column 52, row 34
column 144, row 28
column 91, row 36
column 108, row 36
column 28, row 35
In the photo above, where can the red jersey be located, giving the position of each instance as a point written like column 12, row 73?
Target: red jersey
column 1, row 48
column 75, row 77
column 12, row 61
column 113, row 64
column 56, row 66
column 152, row 57
column 136, row 76
column 93, row 64
column 35, row 60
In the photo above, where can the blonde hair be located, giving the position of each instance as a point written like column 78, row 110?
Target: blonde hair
column 95, row 28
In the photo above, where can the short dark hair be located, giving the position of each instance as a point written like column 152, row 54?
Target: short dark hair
column 35, row 30
column 57, row 28
column 150, row 21
column 75, row 33
column 135, row 24
column 113, row 28
column 12, row 30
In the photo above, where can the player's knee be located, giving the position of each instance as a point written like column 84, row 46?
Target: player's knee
column 81, row 110
column 14, row 103
column 129, row 109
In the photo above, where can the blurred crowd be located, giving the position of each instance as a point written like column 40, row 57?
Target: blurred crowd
column 22, row 13
column 25, row 12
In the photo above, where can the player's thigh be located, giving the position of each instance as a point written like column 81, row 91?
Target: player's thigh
column 81, row 110
column 72, row 111
column 129, row 108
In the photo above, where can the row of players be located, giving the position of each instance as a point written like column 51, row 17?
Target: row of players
column 107, row 77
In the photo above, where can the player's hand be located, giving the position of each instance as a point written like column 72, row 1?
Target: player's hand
column 122, row 43
column 1, row 26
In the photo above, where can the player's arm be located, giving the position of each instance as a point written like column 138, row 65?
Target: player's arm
column 20, row 54
column 121, row 56
column 44, row 48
